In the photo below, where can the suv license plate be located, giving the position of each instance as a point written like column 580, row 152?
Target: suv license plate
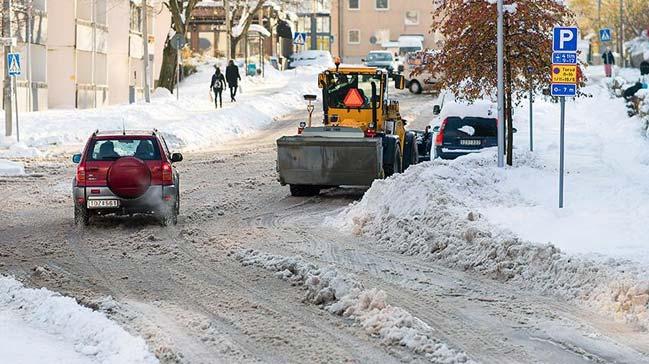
column 470, row 142
column 103, row 204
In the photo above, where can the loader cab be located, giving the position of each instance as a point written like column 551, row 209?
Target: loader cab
column 354, row 97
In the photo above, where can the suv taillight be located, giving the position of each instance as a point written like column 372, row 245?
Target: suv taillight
column 167, row 174
column 81, row 175
column 439, row 139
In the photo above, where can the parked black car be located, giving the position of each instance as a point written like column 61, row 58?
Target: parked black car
column 458, row 136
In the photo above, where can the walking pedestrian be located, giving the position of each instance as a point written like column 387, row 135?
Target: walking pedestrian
column 217, row 85
column 233, row 77
column 609, row 61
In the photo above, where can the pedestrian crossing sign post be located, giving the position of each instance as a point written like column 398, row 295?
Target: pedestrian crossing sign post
column 605, row 35
column 299, row 38
column 13, row 60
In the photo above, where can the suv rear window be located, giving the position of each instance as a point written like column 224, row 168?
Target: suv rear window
column 112, row 149
column 471, row 127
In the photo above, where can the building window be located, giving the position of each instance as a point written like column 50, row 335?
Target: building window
column 136, row 18
column 354, row 36
column 412, row 17
column 382, row 4
column 354, row 4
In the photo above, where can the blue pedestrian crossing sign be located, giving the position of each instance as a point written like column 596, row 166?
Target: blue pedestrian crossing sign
column 605, row 35
column 13, row 60
column 299, row 38
column 564, row 39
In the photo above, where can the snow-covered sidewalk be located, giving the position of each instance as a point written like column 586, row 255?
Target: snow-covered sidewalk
column 189, row 124
column 469, row 214
column 40, row 326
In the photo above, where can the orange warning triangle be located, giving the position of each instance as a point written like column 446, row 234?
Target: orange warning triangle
column 354, row 99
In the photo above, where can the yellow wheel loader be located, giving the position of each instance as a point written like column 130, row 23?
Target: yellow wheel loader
column 363, row 136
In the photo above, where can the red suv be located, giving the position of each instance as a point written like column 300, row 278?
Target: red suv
column 126, row 172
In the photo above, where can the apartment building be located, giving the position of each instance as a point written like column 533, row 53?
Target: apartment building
column 360, row 26
column 85, row 53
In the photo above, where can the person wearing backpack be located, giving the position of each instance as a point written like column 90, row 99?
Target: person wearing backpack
column 232, row 74
column 609, row 61
column 217, row 85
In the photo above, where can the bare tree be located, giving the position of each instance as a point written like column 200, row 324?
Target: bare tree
column 242, row 15
column 180, row 14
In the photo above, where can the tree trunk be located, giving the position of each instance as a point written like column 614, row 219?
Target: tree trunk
column 168, row 68
column 508, row 113
column 233, row 47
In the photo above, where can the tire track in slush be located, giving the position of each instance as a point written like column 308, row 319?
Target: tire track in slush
column 473, row 333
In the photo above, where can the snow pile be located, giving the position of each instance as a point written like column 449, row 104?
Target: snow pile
column 190, row 124
column 9, row 168
column 505, row 223
column 439, row 217
column 48, row 327
column 343, row 296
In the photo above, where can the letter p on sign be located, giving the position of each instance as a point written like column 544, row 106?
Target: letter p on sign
column 565, row 39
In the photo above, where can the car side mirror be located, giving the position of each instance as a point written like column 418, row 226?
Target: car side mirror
column 436, row 129
column 437, row 110
column 176, row 157
column 514, row 130
column 399, row 82
column 362, row 59
column 76, row 158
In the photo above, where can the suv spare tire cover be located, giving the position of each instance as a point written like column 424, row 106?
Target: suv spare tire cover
column 129, row 177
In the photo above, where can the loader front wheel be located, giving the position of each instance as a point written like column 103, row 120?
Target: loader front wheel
column 395, row 166
column 304, row 190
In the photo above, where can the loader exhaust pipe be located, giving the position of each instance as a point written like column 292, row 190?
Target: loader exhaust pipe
column 374, row 116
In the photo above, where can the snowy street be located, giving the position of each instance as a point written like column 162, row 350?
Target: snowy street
column 204, row 291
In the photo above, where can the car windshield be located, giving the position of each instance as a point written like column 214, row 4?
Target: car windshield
column 352, row 87
column 470, row 127
column 113, row 149
column 379, row 57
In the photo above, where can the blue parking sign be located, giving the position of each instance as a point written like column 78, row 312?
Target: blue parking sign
column 13, row 60
column 564, row 39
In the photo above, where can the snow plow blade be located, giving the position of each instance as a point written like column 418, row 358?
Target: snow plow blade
column 329, row 161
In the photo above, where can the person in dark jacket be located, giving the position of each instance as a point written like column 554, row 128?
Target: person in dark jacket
column 233, row 77
column 609, row 61
column 217, row 85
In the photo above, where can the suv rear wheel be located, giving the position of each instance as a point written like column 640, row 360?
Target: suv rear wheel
column 81, row 216
column 169, row 214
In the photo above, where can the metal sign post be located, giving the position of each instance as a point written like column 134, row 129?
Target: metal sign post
column 562, row 132
column 501, row 84
column 16, row 107
column 564, row 84
column 531, row 120
column 530, row 70
column 15, row 70
column 178, row 41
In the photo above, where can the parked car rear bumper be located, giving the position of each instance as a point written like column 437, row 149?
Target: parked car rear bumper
column 153, row 200
column 445, row 153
